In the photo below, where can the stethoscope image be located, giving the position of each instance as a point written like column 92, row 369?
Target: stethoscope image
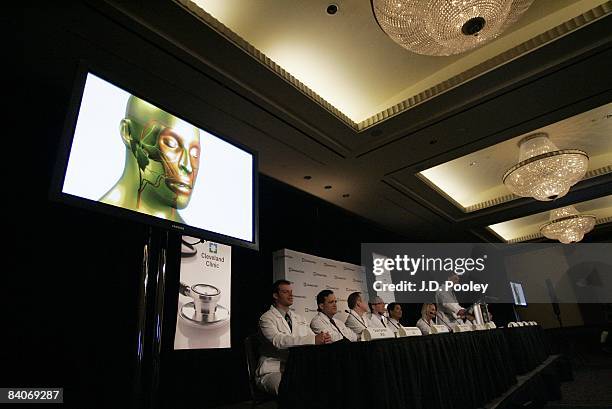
column 204, row 311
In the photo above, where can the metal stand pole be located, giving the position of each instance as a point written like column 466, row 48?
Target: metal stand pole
column 151, row 291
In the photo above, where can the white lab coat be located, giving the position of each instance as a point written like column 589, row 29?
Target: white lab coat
column 448, row 306
column 278, row 338
column 321, row 323
column 424, row 326
column 393, row 324
column 374, row 320
column 356, row 323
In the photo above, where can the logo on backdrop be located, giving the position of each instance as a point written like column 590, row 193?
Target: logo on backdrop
column 329, row 287
column 329, row 265
column 339, row 277
column 212, row 248
column 305, row 260
column 310, row 285
column 293, row 270
column 282, row 256
column 349, row 269
column 315, row 274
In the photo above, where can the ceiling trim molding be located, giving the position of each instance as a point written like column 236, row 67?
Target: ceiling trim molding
column 524, row 206
column 545, row 38
column 539, row 235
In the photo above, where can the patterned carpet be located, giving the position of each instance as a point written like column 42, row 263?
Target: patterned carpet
column 592, row 385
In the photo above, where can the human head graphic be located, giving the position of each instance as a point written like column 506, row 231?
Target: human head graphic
column 167, row 153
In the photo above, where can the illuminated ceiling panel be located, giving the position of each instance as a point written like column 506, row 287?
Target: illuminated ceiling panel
column 528, row 227
column 474, row 181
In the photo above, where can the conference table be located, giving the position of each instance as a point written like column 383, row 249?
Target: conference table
column 455, row 370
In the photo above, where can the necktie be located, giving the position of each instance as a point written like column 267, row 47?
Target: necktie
column 288, row 319
column 383, row 322
column 334, row 324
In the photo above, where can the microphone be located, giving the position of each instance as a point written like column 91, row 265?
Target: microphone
column 445, row 322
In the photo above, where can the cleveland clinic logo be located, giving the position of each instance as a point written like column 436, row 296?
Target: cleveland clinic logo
column 339, row 277
column 315, row 274
column 212, row 248
column 349, row 269
column 356, row 280
column 305, row 260
column 310, row 285
column 293, row 270
column 352, row 290
column 329, row 287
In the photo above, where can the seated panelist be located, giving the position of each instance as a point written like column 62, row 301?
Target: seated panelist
column 428, row 318
column 376, row 315
column 357, row 319
column 280, row 329
column 395, row 315
column 324, row 321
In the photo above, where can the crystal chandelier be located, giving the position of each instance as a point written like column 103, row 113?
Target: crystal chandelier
column 446, row 27
column 545, row 172
column 567, row 225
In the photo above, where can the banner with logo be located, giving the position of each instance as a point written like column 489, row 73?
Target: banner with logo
column 204, row 296
column 311, row 274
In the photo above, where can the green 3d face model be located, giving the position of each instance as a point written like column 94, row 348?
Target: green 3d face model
column 161, row 162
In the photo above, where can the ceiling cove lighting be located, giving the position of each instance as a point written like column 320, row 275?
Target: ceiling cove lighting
column 544, row 171
column 567, row 225
column 443, row 27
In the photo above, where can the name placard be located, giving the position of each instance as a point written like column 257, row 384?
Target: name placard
column 462, row 327
column 369, row 334
column 478, row 327
column 438, row 329
column 409, row 331
column 491, row 325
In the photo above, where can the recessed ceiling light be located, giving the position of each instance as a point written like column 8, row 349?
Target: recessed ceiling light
column 307, row 177
column 332, row 9
column 345, row 195
column 328, row 187
column 473, row 163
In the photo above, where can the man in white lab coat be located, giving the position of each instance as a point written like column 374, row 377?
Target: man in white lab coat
column 357, row 318
column 449, row 309
column 377, row 313
column 395, row 315
column 324, row 321
column 281, row 329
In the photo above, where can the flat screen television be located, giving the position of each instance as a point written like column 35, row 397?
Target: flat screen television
column 518, row 294
column 126, row 155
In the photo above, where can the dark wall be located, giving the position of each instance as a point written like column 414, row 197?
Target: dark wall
column 78, row 270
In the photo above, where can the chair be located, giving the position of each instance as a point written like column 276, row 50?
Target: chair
column 251, row 347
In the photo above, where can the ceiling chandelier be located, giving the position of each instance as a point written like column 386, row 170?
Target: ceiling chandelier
column 544, row 171
column 567, row 225
column 446, row 27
